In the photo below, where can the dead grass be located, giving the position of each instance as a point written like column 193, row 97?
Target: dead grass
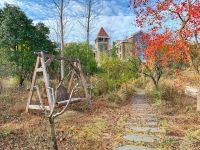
column 88, row 129
column 178, row 110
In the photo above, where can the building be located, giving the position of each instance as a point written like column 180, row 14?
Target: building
column 131, row 46
column 138, row 44
column 123, row 49
column 101, row 46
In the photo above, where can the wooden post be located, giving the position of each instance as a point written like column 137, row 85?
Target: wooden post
column 33, row 83
column 46, row 81
column 84, row 84
column 70, row 82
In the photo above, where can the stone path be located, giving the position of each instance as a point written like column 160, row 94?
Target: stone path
column 143, row 125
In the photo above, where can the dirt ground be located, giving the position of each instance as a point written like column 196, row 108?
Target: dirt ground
column 99, row 128
column 81, row 129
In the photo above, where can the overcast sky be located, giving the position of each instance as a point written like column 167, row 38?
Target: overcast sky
column 116, row 17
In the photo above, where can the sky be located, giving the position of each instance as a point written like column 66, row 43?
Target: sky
column 116, row 17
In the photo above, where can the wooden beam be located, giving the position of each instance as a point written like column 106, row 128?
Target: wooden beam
column 72, row 100
column 38, row 107
column 70, row 82
column 39, row 70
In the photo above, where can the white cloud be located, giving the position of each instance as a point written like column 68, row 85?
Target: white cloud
column 114, row 19
column 118, row 27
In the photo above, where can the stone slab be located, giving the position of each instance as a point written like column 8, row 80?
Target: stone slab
column 132, row 147
column 146, row 129
column 141, row 138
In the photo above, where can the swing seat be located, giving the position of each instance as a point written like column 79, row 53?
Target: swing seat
column 73, row 100
column 61, row 93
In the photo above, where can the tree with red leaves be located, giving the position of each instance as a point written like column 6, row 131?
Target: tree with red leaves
column 182, row 15
column 160, row 53
column 185, row 13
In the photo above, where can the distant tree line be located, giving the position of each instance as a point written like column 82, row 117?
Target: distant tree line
column 19, row 39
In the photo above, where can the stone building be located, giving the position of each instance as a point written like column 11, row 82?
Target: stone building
column 131, row 46
column 123, row 49
column 101, row 46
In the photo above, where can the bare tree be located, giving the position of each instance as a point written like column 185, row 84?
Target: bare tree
column 53, row 114
column 60, row 8
column 91, row 9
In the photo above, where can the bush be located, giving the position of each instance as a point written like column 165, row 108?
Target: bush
column 114, row 97
column 126, row 91
column 156, row 96
column 99, row 86
column 141, row 82
column 117, row 72
column 84, row 54
column 167, row 93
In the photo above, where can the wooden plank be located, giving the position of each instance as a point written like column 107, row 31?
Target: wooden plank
column 39, row 69
column 72, row 100
column 39, row 107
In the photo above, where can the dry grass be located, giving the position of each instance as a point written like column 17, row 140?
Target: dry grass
column 78, row 130
column 177, row 110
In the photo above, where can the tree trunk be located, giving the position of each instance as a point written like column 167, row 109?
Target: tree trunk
column 21, row 81
column 196, row 39
column 54, row 145
column 62, row 38
column 88, row 25
column 155, row 82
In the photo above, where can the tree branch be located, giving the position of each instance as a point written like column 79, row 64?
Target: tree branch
column 63, row 110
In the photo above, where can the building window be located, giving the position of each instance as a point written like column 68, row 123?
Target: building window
column 101, row 47
column 100, row 40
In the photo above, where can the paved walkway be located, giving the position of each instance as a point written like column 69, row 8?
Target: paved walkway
column 143, row 125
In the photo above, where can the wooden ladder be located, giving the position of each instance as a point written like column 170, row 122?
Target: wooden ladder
column 41, row 67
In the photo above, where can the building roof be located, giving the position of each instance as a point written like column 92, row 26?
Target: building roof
column 102, row 33
column 139, row 32
column 121, row 41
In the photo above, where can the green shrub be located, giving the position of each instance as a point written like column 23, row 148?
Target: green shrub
column 118, row 72
column 114, row 97
column 82, row 52
column 99, row 86
column 141, row 82
column 126, row 91
column 167, row 92
column 156, row 96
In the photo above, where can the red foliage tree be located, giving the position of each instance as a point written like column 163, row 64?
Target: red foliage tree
column 184, row 15
column 160, row 53
column 154, row 13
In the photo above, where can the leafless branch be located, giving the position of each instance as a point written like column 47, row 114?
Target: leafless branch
column 70, row 98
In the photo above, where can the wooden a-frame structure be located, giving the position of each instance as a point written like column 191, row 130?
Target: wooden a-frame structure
column 42, row 63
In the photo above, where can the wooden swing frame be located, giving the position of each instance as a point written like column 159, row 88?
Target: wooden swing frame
column 43, row 61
